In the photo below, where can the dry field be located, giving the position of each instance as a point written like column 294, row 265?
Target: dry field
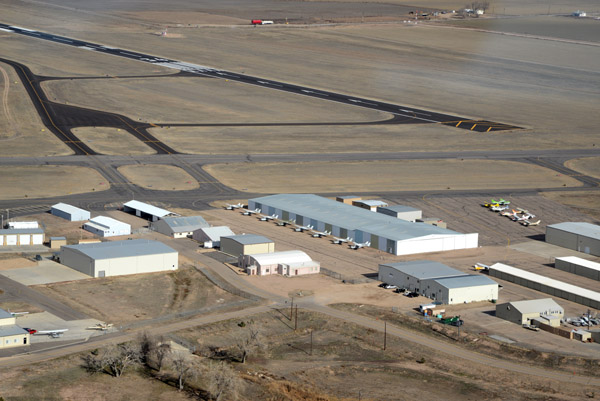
column 588, row 166
column 112, row 141
column 18, row 182
column 403, row 175
column 159, row 177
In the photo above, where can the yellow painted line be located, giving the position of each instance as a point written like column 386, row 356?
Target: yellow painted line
column 458, row 123
column 154, row 125
column 473, row 127
column 489, row 129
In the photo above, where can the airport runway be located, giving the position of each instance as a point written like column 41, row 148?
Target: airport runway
column 403, row 113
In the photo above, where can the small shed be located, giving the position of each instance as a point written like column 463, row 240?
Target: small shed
column 582, row 335
column 369, row 204
column 212, row 234
column 69, row 212
column 57, row 242
column 348, row 199
column 247, row 244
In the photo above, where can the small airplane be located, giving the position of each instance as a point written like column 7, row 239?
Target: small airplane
column 340, row 241
column 528, row 223
column 15, row 314
column 509, row 214
column 52, row 333
column 490, row 205
column 480, row 266
column 283, row 223
column 358, row 245
column 101, row 326
column 250, row 212
column 522, row 217
column 267, row 218
column 300, row 229
column 499, row 208
column 501, row 202
column 232, row 207
column 319, row 234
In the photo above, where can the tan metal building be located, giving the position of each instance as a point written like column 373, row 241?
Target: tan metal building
column 522, row 312
column 57, row 242
column 248, row 244
column 11, row 335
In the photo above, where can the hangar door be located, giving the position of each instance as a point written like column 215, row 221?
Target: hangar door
column 11, row 239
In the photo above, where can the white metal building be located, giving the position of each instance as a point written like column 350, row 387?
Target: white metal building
column 369, row 204
column 179, row 227
column 547, row 285
column 522, row 312
column 146, row 211
column 401, row 212
column 107, row 227
column 439, row 282
column 17, row 225
column 21, row 237
column 212, row 235
column 11, row 335
column 578, row 266
column 69, row 212
column 385, row 233
column 580, row 237
column 117, row 258
column 288, row 263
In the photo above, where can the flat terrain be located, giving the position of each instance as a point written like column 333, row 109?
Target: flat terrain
column 159, row 177
column 588, row 166
column 111, row 141
column 47, row 181
column 405, row 175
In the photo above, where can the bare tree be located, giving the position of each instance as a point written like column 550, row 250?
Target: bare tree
column 184, row 366
column 117, row 358
column 160, row 352
column 222, row 381
column 249, row 340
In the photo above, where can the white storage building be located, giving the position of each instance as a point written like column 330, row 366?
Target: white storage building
column 439, row 282
column 547, row 285
column 17, row 225
column 580, row 237
column 179, row 227
column 69, row 212
column 21, row 237
column 146, row 211
column 287, row 263
column 369, row 204
column 117, row 258
column 107, row 227
column 578, row 266
column 212, row 235
column 385, row 233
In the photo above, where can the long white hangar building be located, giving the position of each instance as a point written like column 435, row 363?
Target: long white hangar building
column 385, row 233
column 116, row 258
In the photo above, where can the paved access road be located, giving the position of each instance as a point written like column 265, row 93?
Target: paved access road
column 403, row 113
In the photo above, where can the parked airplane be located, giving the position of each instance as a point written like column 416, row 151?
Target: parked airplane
column 358, row 245
column 501, row 202
column 52, row 333
column 319, row 234
column 101, row 326
column 340, row 241
column 528, row 223
column 499, row 208
column 267, row 218
column 232, row 207
column 284, row 223
column 250, row 212
column 15, row 314
column 509, row 214
column 300, row 229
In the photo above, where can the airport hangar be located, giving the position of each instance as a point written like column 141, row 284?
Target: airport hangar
column 115, row 258
column 69, row 212
column 580, row 237
column 386, row 233
column 179, row 227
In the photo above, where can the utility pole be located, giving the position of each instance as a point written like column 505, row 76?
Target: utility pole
column 292, row 309
column 588, row 319
column 384, row 335
column 311, row 342
column 296, row 323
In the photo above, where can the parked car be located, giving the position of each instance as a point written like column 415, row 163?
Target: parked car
column 401, row 290
column 382, row 285
column 390, row 287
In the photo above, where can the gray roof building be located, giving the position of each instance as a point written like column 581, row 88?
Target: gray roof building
column 425, row 269
column 179, row 227
column 248, row 239
column 12, row 330
column 469, row 280
column 120, row 249
column 9, row 231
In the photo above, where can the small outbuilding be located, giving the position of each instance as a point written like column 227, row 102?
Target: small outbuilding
column 11, row 335
column 21, row 237
column 20, row 225
column 179, row 227
column 247, row 244
column 580, row 237
column 117, row 258
column 69, row 212
column 401, row 212
column 348, row 199
column 57, row 242
column 107, row 227
column 369, row 204
column 212, row 235
column 146, row 211
column 522, row 312
column 287, row 263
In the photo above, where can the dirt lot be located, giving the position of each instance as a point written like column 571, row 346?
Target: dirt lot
column 402, row 175
column 125, row 299
column 48, row 181
column 159, row 177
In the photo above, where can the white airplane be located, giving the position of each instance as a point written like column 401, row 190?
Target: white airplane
column 499, row 208
column 52, row 333
column 232, row 207
column 101, row 326
column 250, row 212
column 283, row 223
column 528, row 223
column 522, row 217
column 340, row 241
column 358, row 245
column 300, row 229
column 267, row 218
column 319, row 234
column 510, row 214
column 15, row 314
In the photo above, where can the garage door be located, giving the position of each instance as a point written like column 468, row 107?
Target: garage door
column 24, row 239
column 11, row 240
column 38, row 239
